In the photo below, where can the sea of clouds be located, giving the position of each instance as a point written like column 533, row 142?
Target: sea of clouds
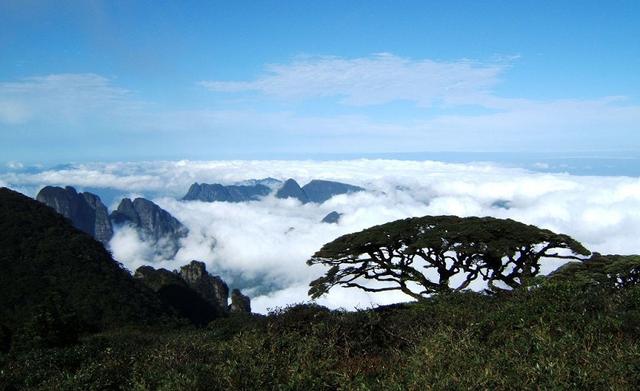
column 262, row 246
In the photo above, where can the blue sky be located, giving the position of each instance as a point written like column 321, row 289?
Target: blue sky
column 124, row 80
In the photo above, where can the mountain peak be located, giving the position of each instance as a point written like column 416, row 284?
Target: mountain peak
column 291, row 189
column 85, row 210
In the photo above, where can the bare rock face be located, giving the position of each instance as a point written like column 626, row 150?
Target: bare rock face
column 125, row 213
column 291, row 189
column 206, row 192
column 152, row 219
column 103, row 230
column 157, row 279
column 193, row 292
column 211, row 288
column 239, row 302
column 317, row 191
column 153, row 222
column 332, row 218
column 174, row 292
column 85, row 210
column 320, row 191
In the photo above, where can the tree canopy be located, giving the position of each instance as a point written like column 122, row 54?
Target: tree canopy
column 420, row 256
column 618, row 271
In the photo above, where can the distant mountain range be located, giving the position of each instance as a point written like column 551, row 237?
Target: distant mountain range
column 231, row 193
column 316, row 191
column 158, row 227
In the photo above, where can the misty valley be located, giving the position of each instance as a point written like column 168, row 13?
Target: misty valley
column 351, row 279
column 319, row 195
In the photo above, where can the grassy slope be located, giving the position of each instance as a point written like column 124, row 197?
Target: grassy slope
column 558, row 336
column 56, row 273
column 569, row 333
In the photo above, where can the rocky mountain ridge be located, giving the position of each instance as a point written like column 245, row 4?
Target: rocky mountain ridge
column 153, row 222
column 87, row 213
column 85, row 210
column 332, row 217
column 212, row 291
column 231, row 193
column 316, row 191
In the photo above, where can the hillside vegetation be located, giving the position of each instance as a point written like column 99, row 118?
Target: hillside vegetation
column 59, row 281
column 558, row 336
column 73, row 319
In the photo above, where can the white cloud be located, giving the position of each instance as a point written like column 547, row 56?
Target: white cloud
column 377, row 79
column 522, row 125
column 61, row 107
column 252, row 241
column 70, row 98
column 555, row 125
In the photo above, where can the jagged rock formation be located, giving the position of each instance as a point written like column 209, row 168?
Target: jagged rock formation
column 319, row 190
column 291, row 189
column 233, row 193
column 239, row 302
column 211, row 288
column 239, row 193
column 174, row 292
column 332, row 217
column 212, row 292
column 154, row 221
column 156, row 279
column 85, row 210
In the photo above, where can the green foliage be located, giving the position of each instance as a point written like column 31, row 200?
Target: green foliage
column 580, row 329
column 5, row 338
column 55, row 276
column 616, row 271
column 561, row 335
column 407, row 253
column 47, row 328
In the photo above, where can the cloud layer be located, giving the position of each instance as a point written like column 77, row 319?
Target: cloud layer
column 263, row 245
column 69, row 98
column 378, row 79
column 316, row 104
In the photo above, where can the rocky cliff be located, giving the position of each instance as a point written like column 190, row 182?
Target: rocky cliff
column 175, row 293
column 239, row 302
column 317, row 191
column 291, row 189
column 232, row 193
column 332, row 218
column 154, row 221
column 193, row 277
column 85, row 210
column 320, row 191
column 212, row 288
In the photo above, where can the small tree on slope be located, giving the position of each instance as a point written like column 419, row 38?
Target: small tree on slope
column 421, row 256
